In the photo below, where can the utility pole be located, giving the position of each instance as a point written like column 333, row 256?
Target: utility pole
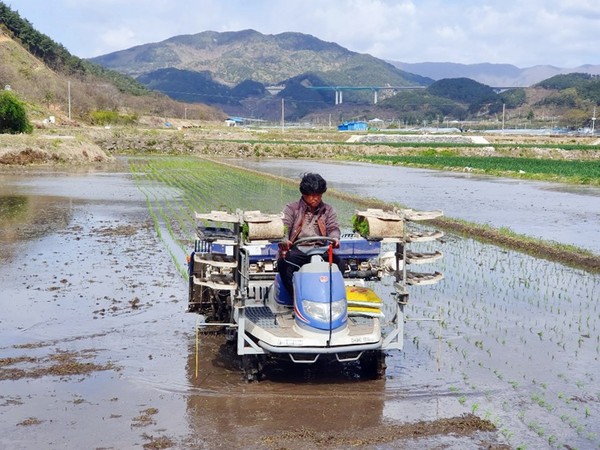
column 69, row 96
column 503, row 111
column 594, row 120
column 282, row 115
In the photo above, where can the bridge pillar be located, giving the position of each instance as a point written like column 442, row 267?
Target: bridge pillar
column 374, row 96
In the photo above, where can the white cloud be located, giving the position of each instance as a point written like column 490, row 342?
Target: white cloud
column 523, row 33
column 118, row 38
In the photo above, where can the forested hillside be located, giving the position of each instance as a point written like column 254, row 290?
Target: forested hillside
column 563, row 100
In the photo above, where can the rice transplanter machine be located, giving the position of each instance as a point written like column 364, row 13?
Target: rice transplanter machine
column 345, row 316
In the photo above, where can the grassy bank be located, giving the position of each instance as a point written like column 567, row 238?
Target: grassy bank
column 553, row 251
column 573, row 160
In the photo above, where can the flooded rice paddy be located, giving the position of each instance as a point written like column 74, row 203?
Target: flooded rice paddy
column 96, row 350
column 550, row 211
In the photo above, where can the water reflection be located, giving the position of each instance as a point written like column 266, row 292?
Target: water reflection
column 29, row 217
column 292, row 397
column 11, row 207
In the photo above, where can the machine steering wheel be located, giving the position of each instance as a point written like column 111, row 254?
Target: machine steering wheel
column 315, row 250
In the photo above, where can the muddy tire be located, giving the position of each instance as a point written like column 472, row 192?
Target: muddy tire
column 252, row 367
column 373, row 364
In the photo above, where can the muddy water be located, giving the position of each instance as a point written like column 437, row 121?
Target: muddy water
column 96, row 282
column 550, row 211
column 84, row 273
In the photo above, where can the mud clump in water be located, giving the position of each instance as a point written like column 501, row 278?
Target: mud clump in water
column 60, row 364
column 466, row 425
column 157, row 443
column 30, row 421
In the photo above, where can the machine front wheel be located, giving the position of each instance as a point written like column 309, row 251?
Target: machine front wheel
column 372, row 364
column 252, row 366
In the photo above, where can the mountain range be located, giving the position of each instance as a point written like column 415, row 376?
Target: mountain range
column 501, row 75
column 235, row 70
column 232, row 57
column 252, row 74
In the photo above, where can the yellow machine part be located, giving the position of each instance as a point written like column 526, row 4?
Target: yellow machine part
column 363, row 302
column 362, row 296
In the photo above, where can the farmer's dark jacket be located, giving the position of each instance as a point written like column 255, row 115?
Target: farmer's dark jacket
column 294, row 213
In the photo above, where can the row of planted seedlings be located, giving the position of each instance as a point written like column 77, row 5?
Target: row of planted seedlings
column 170, row 221
column 177, row 187
column 524, row 334
column 520, row 334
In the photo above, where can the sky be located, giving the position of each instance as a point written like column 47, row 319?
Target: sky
column 524, row 33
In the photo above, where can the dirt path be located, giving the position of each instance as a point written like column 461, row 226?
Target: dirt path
column 39, row 148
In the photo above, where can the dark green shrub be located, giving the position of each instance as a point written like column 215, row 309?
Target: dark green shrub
column 13, row 116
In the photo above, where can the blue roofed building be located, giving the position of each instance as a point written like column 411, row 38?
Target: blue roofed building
column 234, row 121
column 353, row 126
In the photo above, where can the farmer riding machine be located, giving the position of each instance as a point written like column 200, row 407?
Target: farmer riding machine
column 348, row 317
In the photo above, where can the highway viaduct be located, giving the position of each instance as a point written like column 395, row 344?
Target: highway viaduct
column 339, row 98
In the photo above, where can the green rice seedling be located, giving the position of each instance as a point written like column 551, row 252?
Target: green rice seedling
column 537, row 428
column 507, row 433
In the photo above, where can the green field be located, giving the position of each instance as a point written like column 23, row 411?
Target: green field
column 579, row 172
